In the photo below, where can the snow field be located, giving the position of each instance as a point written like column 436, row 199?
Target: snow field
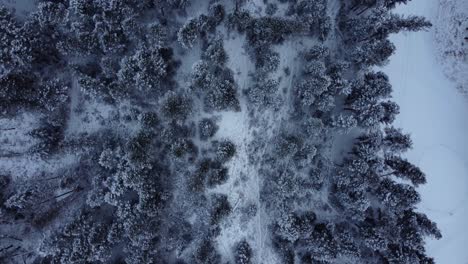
column 435, row 114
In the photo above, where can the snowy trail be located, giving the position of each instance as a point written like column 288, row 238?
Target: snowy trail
column 244, row 185
column 435, row 114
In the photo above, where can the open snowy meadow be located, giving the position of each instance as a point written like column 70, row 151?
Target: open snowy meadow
column 436, row 115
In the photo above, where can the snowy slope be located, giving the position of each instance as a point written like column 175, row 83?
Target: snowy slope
column 435, row 113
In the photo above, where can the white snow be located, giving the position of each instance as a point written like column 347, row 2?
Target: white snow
column 435, row 113
column 243, row 186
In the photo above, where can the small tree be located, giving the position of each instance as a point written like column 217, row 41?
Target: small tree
column 176, row 105
column 373, row 52
column 207, row 128
column 220, row 208
column 397, row 196
column 263, row 92
column 391, row 110
column 215, row 52
column 144, row 70
column 188, row 33
column 206, row 253
column 53, row 94
column 225, row 150
column 393, row 3
column 396, row 141
column 243, row 253
column 404, row 169
column 344, row 122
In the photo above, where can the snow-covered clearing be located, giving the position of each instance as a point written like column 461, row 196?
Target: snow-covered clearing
column 242, row 128
column 244, row 184
column 435, row 114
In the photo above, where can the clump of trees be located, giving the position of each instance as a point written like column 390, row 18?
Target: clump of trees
column 214, row 81
column 207, row 128
column 367, row 32
column 243, row 253
column 147, row 185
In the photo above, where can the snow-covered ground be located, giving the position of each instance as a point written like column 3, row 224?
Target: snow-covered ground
column 436, row 114
column 244, row 184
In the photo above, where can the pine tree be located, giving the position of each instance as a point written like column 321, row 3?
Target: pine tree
column 397, row 196
column 176, row 106
column 396, row 23
column 10, row 32
column 404, row 169
column 396, row 141
column 266, row 60
column 53, row 94
column 207, row 128
column 391, row 110
column 157, row 35
column 369, row 89
column 373, row 53
column 215, row 52
column 393, row 3
column 271, row 30
column 263, row 92
column 188, row 33
column 225, row 150
column 321, row 245
column 220, row 208
column 243, row 253
column 345, row 122
column 145, row 70
column 206, row 253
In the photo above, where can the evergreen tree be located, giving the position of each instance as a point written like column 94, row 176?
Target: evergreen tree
column 373, row 53
column 188, row 33
column 393, row 3
column 206, row 253
column 145, row 70
column 243, row 253
column 396, row 141
column 402, row 168
column 176, row 105
column 397, row 196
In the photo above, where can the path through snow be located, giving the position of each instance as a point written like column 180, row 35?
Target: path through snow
column 436, row 115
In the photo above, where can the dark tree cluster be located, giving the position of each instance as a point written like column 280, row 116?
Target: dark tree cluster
column 368, row 31
column 362, row 188
column 365, row 102
column 122, row 190
column 314, row 15
column 214, row 81
column 129, row 164
column 262, row 33
column 366, row 178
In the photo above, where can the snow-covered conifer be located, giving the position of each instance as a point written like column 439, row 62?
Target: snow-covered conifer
column 188, row 33
column 243, row 253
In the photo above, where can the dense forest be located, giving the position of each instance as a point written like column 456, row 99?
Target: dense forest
column 205, row 131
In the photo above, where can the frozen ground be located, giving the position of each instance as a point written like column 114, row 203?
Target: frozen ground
column 436, row 114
